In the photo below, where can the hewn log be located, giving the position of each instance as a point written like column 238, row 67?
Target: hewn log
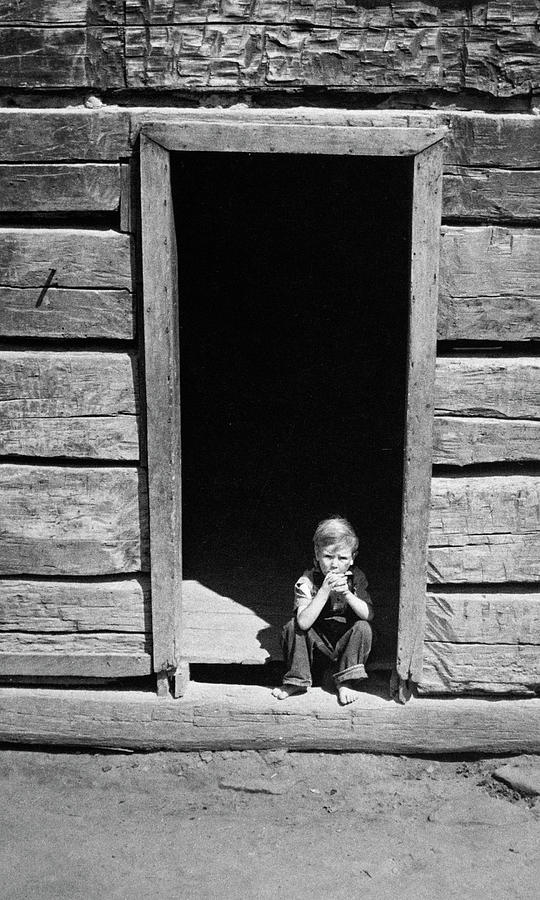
column 74, row 606
column 68, row 404
column 66, row 313
column 18, row 642
column 484, row 529
column 473, row 139
column 498, row 387
column 61, row 12
column 81, row 259
column 61, row 57
column 214, row 716
column 378, row 14
column 77, row 659
column 83, row 187
column 72, row 521
column 509, row 141
column 64, row 134
column 465, row 441
column 488, row 618
column 489, row 265
column 75, row 437
column 498, row 60
column 495, row 194
column 489, row 668
column 498, row 318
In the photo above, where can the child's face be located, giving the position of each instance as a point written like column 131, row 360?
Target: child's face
column 335, row 558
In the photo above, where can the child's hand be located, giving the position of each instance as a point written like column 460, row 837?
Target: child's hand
column 337, row 583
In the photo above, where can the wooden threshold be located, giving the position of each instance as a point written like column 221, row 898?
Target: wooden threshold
column 215, row 716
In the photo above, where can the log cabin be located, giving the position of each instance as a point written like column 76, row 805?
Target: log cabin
column 261, row 262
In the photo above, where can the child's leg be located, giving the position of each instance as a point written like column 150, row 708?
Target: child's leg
column 352, row 651
column 298, row 649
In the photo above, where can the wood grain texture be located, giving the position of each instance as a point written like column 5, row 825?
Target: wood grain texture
column 81, row 258
column 308, row 13
column 83, row 656
column 497, row 387
column 418, row 451
column 79, row 405
column 239, row 717
column 503, row 317
column 500, row 60
column 162, row 385
column 61, row 12
column 84, row 187
column 508, row 140
column 487, row 618
column 484, row 529
column 492, row 194
column 67, row 313
column 461, row 441
column 75, row 437
column 72, row 521
column 240, row 137
column 81, row 57
column 486, row 668
column 74, row 606
column 64, row 134
column 492, row 266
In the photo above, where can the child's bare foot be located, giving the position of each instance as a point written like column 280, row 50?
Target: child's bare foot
column 288, row 690
column 348, row 692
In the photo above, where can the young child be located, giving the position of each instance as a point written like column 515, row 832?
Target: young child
column 332, row 614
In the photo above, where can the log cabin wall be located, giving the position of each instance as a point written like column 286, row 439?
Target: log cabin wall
column 77, row 82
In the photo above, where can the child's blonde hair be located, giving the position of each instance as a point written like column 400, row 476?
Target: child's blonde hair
column 335, row 530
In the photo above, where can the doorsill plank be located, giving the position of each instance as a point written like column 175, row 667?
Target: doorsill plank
column 214, row 716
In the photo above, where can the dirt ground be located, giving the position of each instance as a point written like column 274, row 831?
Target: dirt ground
column 266, row 824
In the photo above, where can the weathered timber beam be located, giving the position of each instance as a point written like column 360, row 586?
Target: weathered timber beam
column 499, row 60
column 498, row 387
column 87, row 662
column 80, row 258
column 67, row 313
column 487, row 272
column 378, row 14
column 72, row 520
column 462, row 441
column 484, row 529
column 490, row 668
column 491, row 617
column 61, row 12
column 230, row 716
column 82, row 187
column 79, row 405
column 473, row 139
column 74, row 606
column 61, row 57
column 502, row 317
column 64, row 134
column 494, row 194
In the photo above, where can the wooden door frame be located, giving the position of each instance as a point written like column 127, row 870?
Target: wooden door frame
column 162, row 350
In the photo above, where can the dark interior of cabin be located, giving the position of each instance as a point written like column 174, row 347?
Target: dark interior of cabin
column 293, row 292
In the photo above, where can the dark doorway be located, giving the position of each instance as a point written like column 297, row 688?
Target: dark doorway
column 293, row 292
